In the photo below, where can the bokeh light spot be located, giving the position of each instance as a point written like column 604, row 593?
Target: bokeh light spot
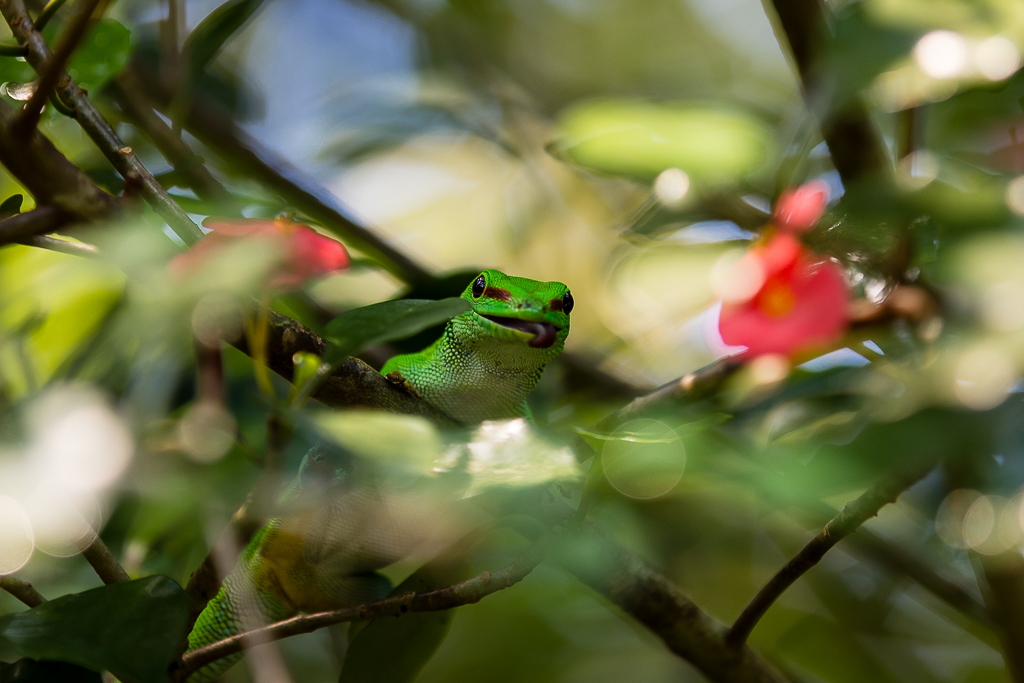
column 63, row 525
column 941, row 54
column 16, row 542
column 644, row 459
column 951, row 515
column 983, row 377
column 997, row 58
column 206, row 431
column 1014, row 195
column 671, row 186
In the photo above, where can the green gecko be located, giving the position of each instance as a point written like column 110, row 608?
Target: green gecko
column 490, row 357
column 322, row 553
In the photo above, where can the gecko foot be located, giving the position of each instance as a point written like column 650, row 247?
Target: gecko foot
column 402, row 383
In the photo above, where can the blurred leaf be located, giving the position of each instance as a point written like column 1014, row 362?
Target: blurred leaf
column 31, row 671
column 396, row 650
column 641, row 139
column 384, row 437
column 103, row 54
column 508, row 453
column 368, row 326
column 206, row 39
column 828, row 651
column 130, row 629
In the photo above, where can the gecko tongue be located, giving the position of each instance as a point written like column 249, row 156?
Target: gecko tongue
column 544, row 334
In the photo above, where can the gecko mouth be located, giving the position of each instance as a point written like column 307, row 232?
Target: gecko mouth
column 544, row 334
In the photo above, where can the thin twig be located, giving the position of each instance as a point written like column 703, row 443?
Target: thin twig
column 103, row 561
column 13, row 50
column 295, row 187
column 693, row 386
column 63, row 246
column 22, row 590
column 24, row 226
column 47, row 174
column 845, row 523
column 463, row 593
column 47, row 13
column 853, row 142
column 98, row 128
column 54, row 66
column 190, row 165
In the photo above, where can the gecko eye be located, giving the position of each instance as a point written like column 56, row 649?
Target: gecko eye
column 479, row 285
column 567, row 303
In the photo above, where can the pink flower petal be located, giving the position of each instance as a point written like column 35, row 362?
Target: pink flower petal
column 798, row 210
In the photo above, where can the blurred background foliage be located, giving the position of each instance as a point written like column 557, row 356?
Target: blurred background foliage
column 631, row 149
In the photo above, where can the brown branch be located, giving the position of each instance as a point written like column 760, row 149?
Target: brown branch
column 54, row 67
column 354, row 384
column 22, row 590
column 1004, row 596
column 63, row 246
column 121, row 157
column 845, row 523
column 103, row 561
column 853, row 142
column 696, row 385
column 24, row 226
column 190, row 165
column 53, row 180
column 655, row 602
column 249, row 157
column 463, row 593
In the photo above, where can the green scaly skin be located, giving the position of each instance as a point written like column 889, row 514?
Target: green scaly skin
column 481, row 369
column 322, row 553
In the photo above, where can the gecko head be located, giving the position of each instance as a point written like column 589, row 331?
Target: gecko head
column 519, row 310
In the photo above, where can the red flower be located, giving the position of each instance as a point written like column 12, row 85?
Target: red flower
column 798, row 210
column 306, row 253
column 791, row 300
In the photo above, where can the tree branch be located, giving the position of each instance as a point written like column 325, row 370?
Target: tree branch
column 54, row 66
column 655, row 602
column 53, row 180
column 103, row 561
column 22, row 590
column 96, row 127
column 63, row 246
column 693, row 386
column 354, row 384
column 24, row 226
column 1004, row 580
column 140, row 110
column 852, row 140
column 249, row 157
column 845, row 523
column 463, row 593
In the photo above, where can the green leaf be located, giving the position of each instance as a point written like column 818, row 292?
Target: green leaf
column 130, row 629
column 103, row 54
column 396, row 649
column 641, row 139
column 31, row 671
column 403, row 440
column 215, row 29
column 368, row 326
